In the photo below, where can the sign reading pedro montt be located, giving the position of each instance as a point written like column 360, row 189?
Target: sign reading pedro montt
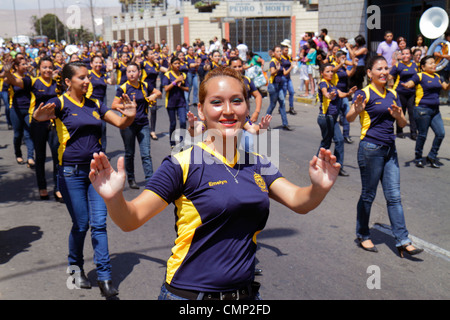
column 259, row 9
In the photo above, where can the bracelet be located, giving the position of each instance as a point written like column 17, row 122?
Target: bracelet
column 174, row 83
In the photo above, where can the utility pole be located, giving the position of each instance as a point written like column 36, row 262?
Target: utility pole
column 56, row 22
column 15, row 16
column 40, row 18
column 93, row 22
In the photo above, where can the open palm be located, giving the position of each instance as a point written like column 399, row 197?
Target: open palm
column 105, row 180
column 324, row 169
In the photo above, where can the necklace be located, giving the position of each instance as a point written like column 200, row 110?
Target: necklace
column 234, row 176
column 229, row 171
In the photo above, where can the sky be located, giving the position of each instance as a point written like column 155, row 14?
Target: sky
column 45, row 4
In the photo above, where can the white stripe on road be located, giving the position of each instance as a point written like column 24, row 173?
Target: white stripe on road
column 428, row 247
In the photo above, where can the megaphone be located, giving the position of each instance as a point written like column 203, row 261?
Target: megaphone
column 433, row 24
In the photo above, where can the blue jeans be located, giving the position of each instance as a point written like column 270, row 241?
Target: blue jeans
column 173, row 112
column 380, row 163
column 4, row 96
column 20, row 120
column 344, row 108
column 86, row 208
column 192, row 83
column 289, row 87
column 426, row 118
column 276, row 94
column 129, row 136
column 330, row 129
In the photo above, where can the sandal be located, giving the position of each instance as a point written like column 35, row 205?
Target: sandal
column 153, row 136
column 30, row 163
column 20, row 160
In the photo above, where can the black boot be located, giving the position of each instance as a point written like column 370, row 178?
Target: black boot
column 81, row 281
column 132, row 183
column 106, row 288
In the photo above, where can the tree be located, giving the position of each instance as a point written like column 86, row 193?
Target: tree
column 125, row 4
column 48, row 26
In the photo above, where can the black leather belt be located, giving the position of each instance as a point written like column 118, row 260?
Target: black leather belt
column 244, row 293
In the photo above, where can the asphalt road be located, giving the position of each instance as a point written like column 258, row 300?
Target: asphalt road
column 302, row 257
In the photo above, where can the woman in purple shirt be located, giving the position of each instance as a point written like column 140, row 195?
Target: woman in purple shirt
column 378, row 109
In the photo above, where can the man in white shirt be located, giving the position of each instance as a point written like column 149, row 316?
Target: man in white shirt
column 243, row 49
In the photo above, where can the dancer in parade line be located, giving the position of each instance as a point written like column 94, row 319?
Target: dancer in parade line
column 42, row 89
column 98, row 86
column 330, row 102
column 341, row 81
column 193, row 63
column 121, row 68
column 175, row 101
column 402, row 72
column 78, row 122
column 287, row 64
column 378, row 108
column 247, row 135
column 275, row 87
column 426, row 112
column 150, row 72
column 20, row 99
column 139, row 130
column 211, row 185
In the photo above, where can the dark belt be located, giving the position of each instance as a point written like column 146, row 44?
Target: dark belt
column 245, row 293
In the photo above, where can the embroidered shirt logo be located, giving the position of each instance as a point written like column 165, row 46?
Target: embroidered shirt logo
column 218, row 183
column 260, row 182
column 96, row 115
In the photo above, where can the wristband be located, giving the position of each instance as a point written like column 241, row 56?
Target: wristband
column 174, row 83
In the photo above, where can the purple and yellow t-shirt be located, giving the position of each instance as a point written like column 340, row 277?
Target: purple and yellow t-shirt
column 79, row 128
column 377, row 124
column 217, row 217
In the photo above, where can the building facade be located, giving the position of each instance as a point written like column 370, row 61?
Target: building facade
column 349, row 18
column 259, row 24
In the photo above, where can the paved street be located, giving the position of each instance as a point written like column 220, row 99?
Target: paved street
column 302, row 257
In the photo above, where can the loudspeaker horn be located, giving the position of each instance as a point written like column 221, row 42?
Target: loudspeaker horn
column 433, row 23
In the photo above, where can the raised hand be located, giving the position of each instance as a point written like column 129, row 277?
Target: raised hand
column 107, row 182
column 323, row 170
column 265, row 122
column 395, row 111
column 44, row 112
column 192, row 118
column 359, row 105
column 129, row 106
